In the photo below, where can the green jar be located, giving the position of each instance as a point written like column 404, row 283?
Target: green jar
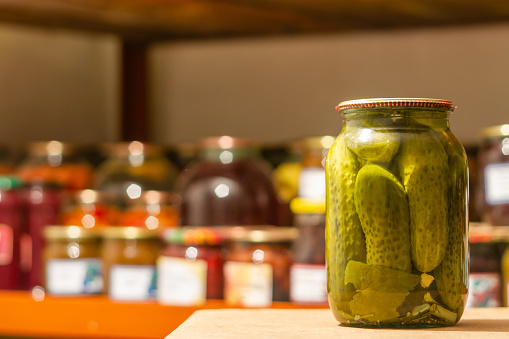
column 396, row 220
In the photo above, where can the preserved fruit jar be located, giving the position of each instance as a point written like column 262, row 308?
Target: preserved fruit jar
column 396, row 215
column 493, row 178
column 72, row 264
column 230, row 184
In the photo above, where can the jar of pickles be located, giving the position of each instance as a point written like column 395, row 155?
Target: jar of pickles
column 396, row 222
column 190, row 267
column 257, row 268
column 71, row 261
column 129, row 256
column 493, row 175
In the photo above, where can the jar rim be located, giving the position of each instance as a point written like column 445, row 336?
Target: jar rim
column 261, row 234
column 395, row 102
column 129, row 232
column 57, row 232
column 193, row 235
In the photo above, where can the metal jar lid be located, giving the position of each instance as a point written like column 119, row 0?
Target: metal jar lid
column 396, row 103
column 55, row 232
column 262, row 234
column 191, row 235
column 130, row 232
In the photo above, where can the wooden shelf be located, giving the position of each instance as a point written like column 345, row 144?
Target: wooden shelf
column 94, row 317
column 171, row 19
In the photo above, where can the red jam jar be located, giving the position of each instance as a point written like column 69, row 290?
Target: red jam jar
column 11, row 228
column 257, row 269
column 190, row 267
column 230, row 184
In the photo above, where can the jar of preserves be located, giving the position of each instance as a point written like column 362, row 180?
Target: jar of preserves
column 152, row 210
column 493, row 175
column 396, row 218
column 312, row 174
column 11, row 230
column 71, row 260
column 131, row 168
column 308, row 277
column 58, row 163
column 43, row 203
column 257, row 269
column 229, row 185
column 89, row 208
column 485, row 276
column 129, row 256
column 190, row 267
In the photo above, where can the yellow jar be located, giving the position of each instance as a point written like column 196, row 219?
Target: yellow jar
column 129, row 256
column 71, row 260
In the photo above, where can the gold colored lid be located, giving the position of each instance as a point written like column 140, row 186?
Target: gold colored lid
column 131, row 148
column 396, row 102
column 226, row 142
column 260, row 234
column 130, row 232
column 55, row 232
column 53, row 147
column 495, row 131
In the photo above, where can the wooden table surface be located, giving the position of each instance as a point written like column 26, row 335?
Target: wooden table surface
column 319, row 323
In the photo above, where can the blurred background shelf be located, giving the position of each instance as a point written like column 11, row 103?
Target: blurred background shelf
column 170, row 19
column 94, row 317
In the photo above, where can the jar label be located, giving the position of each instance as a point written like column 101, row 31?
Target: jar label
column 74, row 276
column 484, row 290
column 6, row 244
column 181, row 281
column 312, row 183
column 132, row 282
column 496, row 181
column 308, row 283
column 248, row 284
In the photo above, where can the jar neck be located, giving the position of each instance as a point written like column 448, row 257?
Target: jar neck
column 411, row 117
column 226, row 156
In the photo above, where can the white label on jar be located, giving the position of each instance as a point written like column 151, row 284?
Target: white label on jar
column 74, row 276
column 312, row 183
column 181, row 282
column 484, row 290
column 496, row 180
column 6, row 243
column 308, row 283
column 248, row 284
column 132, row 282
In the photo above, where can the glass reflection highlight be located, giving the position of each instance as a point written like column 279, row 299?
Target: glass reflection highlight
column 222, row 190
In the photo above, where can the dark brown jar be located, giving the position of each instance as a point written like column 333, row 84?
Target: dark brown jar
column 257, row 270
column 308, row 276
column 71, row 261
column 129, row 256
column 190, row 267
column 230, row 184
column 493, row 178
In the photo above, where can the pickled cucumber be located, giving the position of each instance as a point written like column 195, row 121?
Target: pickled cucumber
column 344, row 237
column 382, row 206
column 423, row 168
column 450, row 275
column 373, row 144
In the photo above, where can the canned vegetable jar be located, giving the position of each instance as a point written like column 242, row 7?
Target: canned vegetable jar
column 396, row 215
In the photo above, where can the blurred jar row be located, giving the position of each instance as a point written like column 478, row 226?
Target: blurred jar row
column 246, row 266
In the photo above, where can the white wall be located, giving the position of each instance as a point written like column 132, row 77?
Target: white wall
column 281, row 88
column 57, row 85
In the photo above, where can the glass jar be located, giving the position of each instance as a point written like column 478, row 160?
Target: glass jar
column 257, row 269
column 190, row 267
column 485, row 276
column 11, row 230
column 131, row 168
column 308, row 277
column 229, row 185
column 153, row 209
column 71, row 260
column 43, row 203
column 493, row 175
column 396, row 219
column 89, row 208
column 312, row 174
column 129, row 256
column 56, row 162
